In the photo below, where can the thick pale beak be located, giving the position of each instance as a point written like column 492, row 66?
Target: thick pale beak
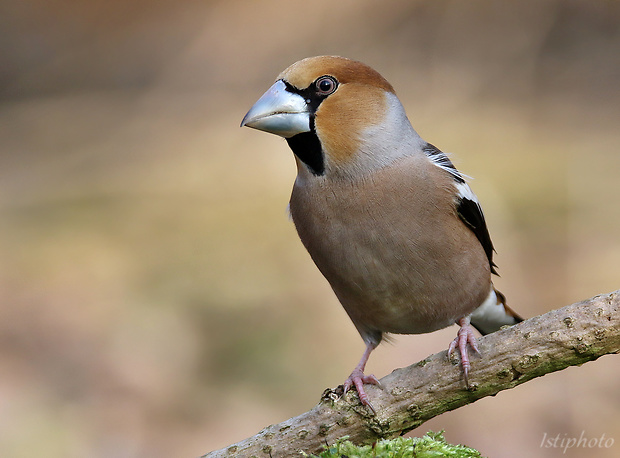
column 280, row 112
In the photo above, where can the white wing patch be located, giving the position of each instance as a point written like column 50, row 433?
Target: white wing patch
column 441, row 160
column 465, row 192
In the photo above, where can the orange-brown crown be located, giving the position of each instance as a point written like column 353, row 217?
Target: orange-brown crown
column 304, row 72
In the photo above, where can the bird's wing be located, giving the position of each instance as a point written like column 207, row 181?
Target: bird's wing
column 468, row 208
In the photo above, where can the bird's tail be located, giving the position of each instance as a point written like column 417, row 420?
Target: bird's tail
column 493, row 314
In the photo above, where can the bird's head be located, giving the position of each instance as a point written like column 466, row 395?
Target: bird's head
column 339, row 116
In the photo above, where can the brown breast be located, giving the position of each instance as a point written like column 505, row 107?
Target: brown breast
column 392, row 247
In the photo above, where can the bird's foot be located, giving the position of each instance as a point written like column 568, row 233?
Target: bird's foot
column 464, row 337
column 357, row 379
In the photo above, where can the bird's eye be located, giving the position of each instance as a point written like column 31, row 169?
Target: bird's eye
column 325, row 85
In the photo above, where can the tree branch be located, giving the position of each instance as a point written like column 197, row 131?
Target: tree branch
column 570, row 336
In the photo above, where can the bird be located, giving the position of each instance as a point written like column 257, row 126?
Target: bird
column 386, row 217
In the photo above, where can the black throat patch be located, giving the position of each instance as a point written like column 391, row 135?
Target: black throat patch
column 307, row 147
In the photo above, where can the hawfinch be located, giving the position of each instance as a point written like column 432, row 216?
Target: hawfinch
column 386, row 217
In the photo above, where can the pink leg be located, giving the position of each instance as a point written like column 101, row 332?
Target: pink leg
column 357, row 378
column 464, row 337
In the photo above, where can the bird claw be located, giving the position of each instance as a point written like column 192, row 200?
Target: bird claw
column 357, row 379
column 464, row 337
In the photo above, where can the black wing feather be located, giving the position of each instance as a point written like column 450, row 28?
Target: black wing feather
column 471, row 214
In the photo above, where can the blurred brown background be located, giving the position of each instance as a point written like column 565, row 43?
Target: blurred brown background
column 155, row 299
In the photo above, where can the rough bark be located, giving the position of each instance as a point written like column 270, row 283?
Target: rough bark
column 569, row 336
